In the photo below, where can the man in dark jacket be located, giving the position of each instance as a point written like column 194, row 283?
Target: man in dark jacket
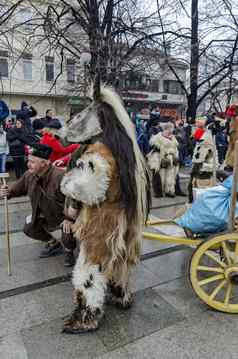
column 25, row 114
column 18, row 137
column 42, row 184
column 49, row 118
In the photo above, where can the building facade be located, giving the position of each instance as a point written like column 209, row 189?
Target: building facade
column 156, row 86
column 32, row 71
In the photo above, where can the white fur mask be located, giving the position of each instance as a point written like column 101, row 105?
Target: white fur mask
column 84, row 125
column 88, row 181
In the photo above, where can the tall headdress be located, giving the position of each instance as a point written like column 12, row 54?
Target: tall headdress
column 107, row 117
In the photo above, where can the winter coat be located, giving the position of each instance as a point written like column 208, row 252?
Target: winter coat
column 25, row 113
column 58, row 149
column 203, row 156
column 49, row 120
column 44, row 193
column 164, row 152
column 17, row 139
column 4, row 148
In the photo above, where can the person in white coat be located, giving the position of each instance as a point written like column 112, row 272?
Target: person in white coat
column 163, row 160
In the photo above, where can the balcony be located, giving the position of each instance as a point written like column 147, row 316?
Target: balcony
column 158, row 97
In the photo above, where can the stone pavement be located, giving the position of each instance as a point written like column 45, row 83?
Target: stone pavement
column 167, row 320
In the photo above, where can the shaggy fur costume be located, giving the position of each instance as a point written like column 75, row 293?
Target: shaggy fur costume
column 107, row 176
column 203, row 164
column 230, row 155
column 163, row 159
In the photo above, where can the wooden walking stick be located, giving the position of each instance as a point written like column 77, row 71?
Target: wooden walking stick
column 3, row 177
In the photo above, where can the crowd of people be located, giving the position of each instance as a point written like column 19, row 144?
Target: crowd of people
column 24, row 129
column 168, row 144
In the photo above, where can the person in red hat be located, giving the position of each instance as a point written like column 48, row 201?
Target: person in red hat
column 51, row 139
column 203, row 157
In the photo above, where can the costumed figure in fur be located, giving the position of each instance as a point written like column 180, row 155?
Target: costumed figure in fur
column 107, row 178
column 163, row 161
column 232, row 116
column 204, row 158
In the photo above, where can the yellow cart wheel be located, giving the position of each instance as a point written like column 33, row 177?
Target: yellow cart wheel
column 214, row 272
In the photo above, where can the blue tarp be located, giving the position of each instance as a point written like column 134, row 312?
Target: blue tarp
column 210, row 212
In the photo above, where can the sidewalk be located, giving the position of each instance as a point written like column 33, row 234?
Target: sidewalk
column 167, row 320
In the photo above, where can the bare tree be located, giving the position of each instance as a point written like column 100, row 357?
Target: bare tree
column 111, row 30
column 210, row 53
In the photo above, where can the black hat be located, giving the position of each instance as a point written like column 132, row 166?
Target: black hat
column 38, row 124
column 40, row 150
column 54, row 124
column 20, row 115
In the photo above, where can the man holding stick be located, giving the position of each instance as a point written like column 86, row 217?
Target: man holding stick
column 42, row 184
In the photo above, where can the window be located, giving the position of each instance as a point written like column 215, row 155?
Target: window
column 172, row 87
column 3, row 64
column 27, row 66
column 154, row 87
column 70, row 67
column 49, row 68
column 24, row 16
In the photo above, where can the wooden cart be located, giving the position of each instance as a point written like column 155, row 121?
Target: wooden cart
column 213, row 268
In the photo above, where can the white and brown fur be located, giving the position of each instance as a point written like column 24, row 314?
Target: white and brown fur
column 110, row 239
column 165, row 149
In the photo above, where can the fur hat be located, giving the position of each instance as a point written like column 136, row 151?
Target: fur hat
column 201, row 121
column 40, row 150
column 38, row 124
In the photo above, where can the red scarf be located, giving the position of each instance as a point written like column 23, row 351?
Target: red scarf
column 199, row 132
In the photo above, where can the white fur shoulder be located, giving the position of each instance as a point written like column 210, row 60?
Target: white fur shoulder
column 160, row 141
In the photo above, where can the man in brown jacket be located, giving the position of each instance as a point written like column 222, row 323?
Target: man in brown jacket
column 42, row 184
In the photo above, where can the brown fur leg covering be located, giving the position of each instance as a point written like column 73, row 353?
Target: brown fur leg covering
column 123, row 299
column 83, row 318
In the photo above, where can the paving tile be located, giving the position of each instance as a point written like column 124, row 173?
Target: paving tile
column 32, row 272
column 116, row 354
column 152, row 245
column 209, row 335
column 32, row 308
column 142, row 278
column 46, row 268
column 14, row 207
column 170, row 266
column 155, row 347
column 47, row 342
column 166, row 213
column 17, row 239
column 149, row 313
column 20, row 277
column 27, row 252
column 180, row 294
column 17, row 220
column 12, row 347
